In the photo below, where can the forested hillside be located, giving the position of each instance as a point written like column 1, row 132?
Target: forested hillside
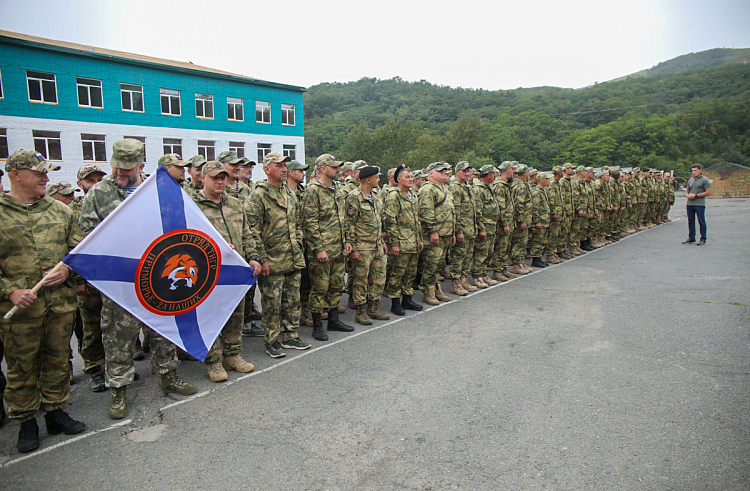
column 667, row 121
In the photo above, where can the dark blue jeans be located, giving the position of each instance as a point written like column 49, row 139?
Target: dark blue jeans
column 692, row 212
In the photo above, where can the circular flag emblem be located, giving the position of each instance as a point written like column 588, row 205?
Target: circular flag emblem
column 177, row 272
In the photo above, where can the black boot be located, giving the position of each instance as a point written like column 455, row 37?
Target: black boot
column 28, row 436
column 408, row 303
column 417, row 280
column 334, row 324
column 396, row 307
column 318, row 332
column 58, row 421
column 586, row 245
column 536, row 263
column 546, row 263
column 3, row 415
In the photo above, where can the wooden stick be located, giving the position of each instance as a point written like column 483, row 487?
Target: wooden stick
column 36, row 288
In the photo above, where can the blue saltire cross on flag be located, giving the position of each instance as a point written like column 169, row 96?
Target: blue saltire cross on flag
column 158, row 257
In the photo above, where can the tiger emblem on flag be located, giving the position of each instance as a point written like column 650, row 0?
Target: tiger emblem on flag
column 180, row 268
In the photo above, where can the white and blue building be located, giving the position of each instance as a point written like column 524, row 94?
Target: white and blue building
column 71, row 102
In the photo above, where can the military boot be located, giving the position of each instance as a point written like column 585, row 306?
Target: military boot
column 118, row 407
column 58, row 421
column 318, row 332
column 305, row 317
column 489, row 281
column 408, row 303
column 350, row 302
column 171, row 382
column 508, row 274
column 465, row 284
column 236, row 362
column 396, row 307
column 28, row 436
column 361, row 316
column 216, row 372
column 517, row 269
column 499, row 277
column 457, row 289
column 429, row 296
column 440, row 295
column 478, row 282
column 334, row 324
column 374, row 313
column 537, row 262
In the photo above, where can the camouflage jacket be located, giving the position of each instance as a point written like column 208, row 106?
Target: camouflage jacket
column 588, row 186
column 640, row 196
column 504, row 197
column 324, row 221
column 273, row 214
column 243, row 191
column 350, row 184
column 99, row 202
column 521, row 202
column 384, row 192
column 401, row 221
column 189, row 188
column 76, row 206
column 365, row 221
column 465, row 208
column 554, row 193
column 566, row 190
column 651, row 186
column 602, row 195
column 436, row 212
column 33, row 239
column 488, row 209
column 616, row 191
column 230, row 220
column 540, row 207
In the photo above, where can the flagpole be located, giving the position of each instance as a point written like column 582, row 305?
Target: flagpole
column 36, row 288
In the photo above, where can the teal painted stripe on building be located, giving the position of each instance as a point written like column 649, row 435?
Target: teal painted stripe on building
column 16, row 59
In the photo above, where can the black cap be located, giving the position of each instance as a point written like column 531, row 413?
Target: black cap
column 399, row 169
column 368, row 171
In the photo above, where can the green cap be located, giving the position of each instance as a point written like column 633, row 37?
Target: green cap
column 60, row 187
column 228, row 157
column 504, row 166
column 462, row 165
column 556, row 169
column 197, row 160
column 417, row 174
column 521, row 169
column 488, row 169
column 604, row 169
column 439, row 166
column 359, row 164
column 636, row 169
column 275, row 158
column 567, row 165
column 243, row 161
column 589, row 169
column 543, row 175
column 29, row 159
column 533, row 172
column 327, row 160
column 172, row 159
column 213, row 168
column 392, row 172
column 87, row 170
column 127, row 154
column 580, row 168
column 296, row 165
column 347, row 166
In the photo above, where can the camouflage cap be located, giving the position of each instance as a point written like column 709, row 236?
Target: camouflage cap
column 556, row 169
column 359, row 164
column 543, row 175
column 244, row 161
column 614, row 170
column 653, row 170
column 60, row 187
column 580, row 168
column 636, row 169
column 521, row 169
column 228, row 157
column 275, row 158
column 417, row 174
column 213, row 168
column 438, row 166
column 347, row 166
column 462, row 165
column 488, row 169
column 327, row 160
column 172, row 159
column 127, row 154
column 604, row 168
column 599, row 174
column 589, row 169
column 28, row 159
column 87, row 170
column 567, row 165
column 504, row 166
column 533, row 172
column 296, row 165
column 197, row 160
column 391, row 172
column 626, row 172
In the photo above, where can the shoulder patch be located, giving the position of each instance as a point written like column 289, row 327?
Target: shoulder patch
column 351, row 211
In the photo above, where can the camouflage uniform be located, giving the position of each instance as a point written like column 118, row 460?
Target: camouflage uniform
column 366, row 237
column 488, row 215
column 504, row 198
column 523, row 210
column 566, row 190
column 554, row 194
column 305, row 283
column 436, row 214
column 274, row 217
column 540, row 213
column 466, row 223
column 36, row 339
column 402, row 230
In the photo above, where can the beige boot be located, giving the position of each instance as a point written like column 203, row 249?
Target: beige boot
column 305, row 317
column 517, row 269
column 235, row 362
column 489, row 281
column 374, row 313
column 527, row 268
column 498, row 276
column 466, row 286
column 216, row 372
column 361, row 316
column 479, row 283
column 440, row 295
column 429, row 297
column 457, row 288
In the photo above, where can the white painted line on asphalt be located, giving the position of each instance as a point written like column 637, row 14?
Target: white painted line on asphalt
column 68, row 442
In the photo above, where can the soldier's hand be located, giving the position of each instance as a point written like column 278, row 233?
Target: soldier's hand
column 482, row 236
column 385, row 249
column 580, row 213
column 265, row 269
column 453, row 240
column 348, row 248
column 355, row 256
column 322, row 257
column 523, row 226
column 22, row 298
column 256, row 267
column 506, row 229
column 421, row 246
column 82, row 290
column 434, row 238
column 538, row 225
column 596, row 211
column 460, row 238
column 396, row 250
column 56, row 278
column 554, row 218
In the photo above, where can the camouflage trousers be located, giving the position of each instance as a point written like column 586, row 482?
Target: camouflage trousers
column 482, row 252
column 119, row 332
column 596, row 225
column 349, row 270
column 434, row 260
column 518, row 245
column 665, row 210
column 553, row 237
column 249, row 304
column 369, row 276
column 651, row 211
column 537, row 240
column 461, row 255
column 327, row 280
column 280, row 301
column 229, row 341
column 92, row 347
column 304, row 285
column 403, row 272
column 36, row 353
column 641, row 212
column 503, row 242
column 564, row 237
column 577, row 229
column 3, row 380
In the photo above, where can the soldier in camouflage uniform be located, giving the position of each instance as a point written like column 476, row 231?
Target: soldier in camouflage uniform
column 566, row 189
column 194, row 182
column 557, row 215
column 522, row 217
column 466, row 229
column 273, row 213
column 602, row 207
column 403, row 237
column 326, row 232
column 295, row 176
column 38, row 232
column 174, row 164
column 63, row 192
column 488, row 214
column 350, row 184
column 588, row 186
column 419, row 179
column 368, row 250
column 669, row 187
column 505, row 224
column 437, row 217
column 120, row 328
column 228, row 217
column 235, row 186
column 246, row 172
column 540, row 218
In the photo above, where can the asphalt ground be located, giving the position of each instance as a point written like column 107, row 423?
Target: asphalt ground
column 625, row 368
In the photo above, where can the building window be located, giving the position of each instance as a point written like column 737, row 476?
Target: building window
column 4, row 143
column 89, row 92
column 42, row 87
column 290, row 151
column 141, row 139
column 48, row 144
column 238, row 148
column 207, row 149
column 262, row 112
column 287, row 114
column 204, row 106
column 132, row 97
column 94, row 148
column 170, row 103
column 172, row 145
column 235, row 109
column 263, row 150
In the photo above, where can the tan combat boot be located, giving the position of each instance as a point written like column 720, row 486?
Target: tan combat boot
column 479, row 283
column 517, row 269
column 236, row 362
column 216, row 372
column 374, row 313
column 429, row 296
column 466, row 286
column 509, row 275
column 305, row 317
column 527, row 268
column 457, row 288
column 489, row 281
column 440, row 295
column 498, row 276
column 361, row 316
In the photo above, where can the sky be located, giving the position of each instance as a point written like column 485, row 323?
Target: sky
column 468, row 43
